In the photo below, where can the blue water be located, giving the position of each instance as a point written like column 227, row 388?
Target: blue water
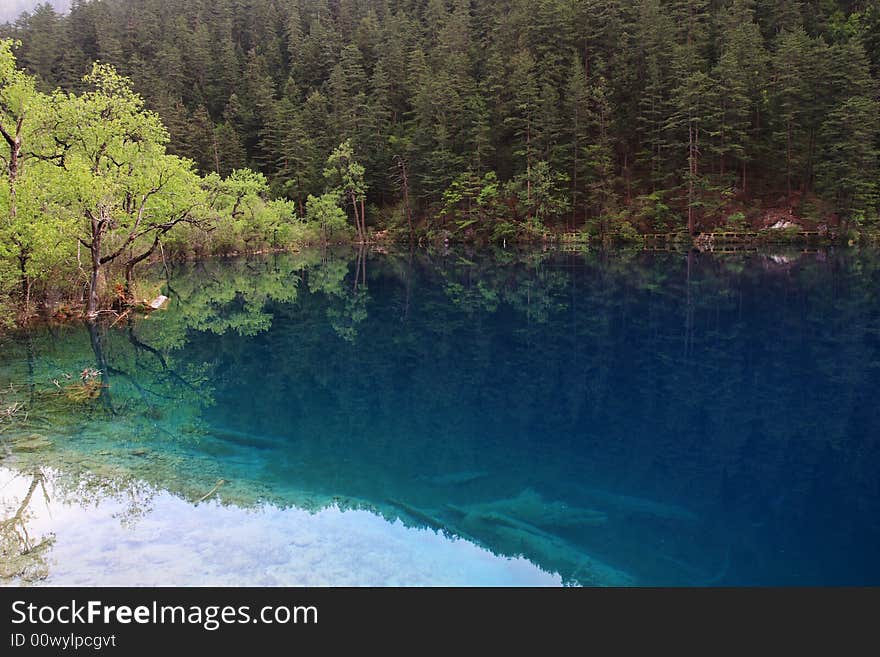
column 614, row 418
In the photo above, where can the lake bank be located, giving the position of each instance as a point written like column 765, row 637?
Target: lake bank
column 67, row 306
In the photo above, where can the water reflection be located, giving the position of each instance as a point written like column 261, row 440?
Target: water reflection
column 138, row 536
column 23, row 550
column 617, row 418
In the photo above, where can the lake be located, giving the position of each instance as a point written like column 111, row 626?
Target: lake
column 605, row 418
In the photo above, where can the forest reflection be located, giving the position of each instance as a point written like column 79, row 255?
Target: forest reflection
column 616, row 417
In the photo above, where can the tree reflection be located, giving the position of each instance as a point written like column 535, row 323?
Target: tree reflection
column 704, row 406
column 23, row 557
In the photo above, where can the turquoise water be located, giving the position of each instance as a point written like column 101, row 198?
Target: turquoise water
column 607, row 418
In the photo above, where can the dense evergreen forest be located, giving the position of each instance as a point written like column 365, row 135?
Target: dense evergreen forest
column 313, row 120
column 660, row 113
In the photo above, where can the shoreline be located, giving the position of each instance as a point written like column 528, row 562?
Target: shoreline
column 728, row 243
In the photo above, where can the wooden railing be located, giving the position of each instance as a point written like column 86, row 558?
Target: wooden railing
column 724, row 236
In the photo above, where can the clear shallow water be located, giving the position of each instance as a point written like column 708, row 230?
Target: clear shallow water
column 596, row 419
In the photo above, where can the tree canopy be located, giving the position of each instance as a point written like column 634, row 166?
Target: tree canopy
column 501, row 118
column 90, row 191
column 718, row 108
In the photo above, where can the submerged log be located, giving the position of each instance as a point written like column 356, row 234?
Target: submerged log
column 530, row 507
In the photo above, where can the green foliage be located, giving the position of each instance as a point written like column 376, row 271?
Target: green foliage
column 345, row 179
column 31, row 222
column 848, row 172
column 90, row 191
column 541, row 193
column 624, row 98
column 580, row 112
column 737, row 221
column 654, row 209
column 344, row 174
column 324, row 211
column 470, row 200
column 626, row 232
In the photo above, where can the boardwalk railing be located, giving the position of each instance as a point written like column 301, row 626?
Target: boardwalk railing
column 708, row 240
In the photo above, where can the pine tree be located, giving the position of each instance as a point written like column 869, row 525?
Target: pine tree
column 479, row 137
column 375, row 132
column 741, row 76
column 598, row 152
column 41, row 54
column 230, row 153
column 869, row 33
column 347, row 92
column 848, row 138
column 202, row 147
column 314, row 120
column 549, row 35
column 654, row 30
column 694, row 113
column 791, row 95
column 320, row 47
column 577, row 119
column 548, row 127
column 296, row 152
column 367, row 38
column 522, row 113
column 256, row 100
column 849, row 172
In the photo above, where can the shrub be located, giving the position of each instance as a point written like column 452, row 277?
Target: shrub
column 324, row 212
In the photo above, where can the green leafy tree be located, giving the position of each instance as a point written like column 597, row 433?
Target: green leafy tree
column 122, row 188
column 29, row 226
column 346, row 177
column 699, row 103
column 324, row 211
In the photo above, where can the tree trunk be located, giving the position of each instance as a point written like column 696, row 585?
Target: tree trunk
column 357, row 219
column 216, row 152
column 529, row 165
column 807, row 180
column 23, row 258
column 722, row 144
column 129, row 281
column 131, row 263
column 13, row 178
column 574, row 172
column 691, row 178
column 788, row 162
column 15, row 147
column 404, row 180
column 92, row 302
